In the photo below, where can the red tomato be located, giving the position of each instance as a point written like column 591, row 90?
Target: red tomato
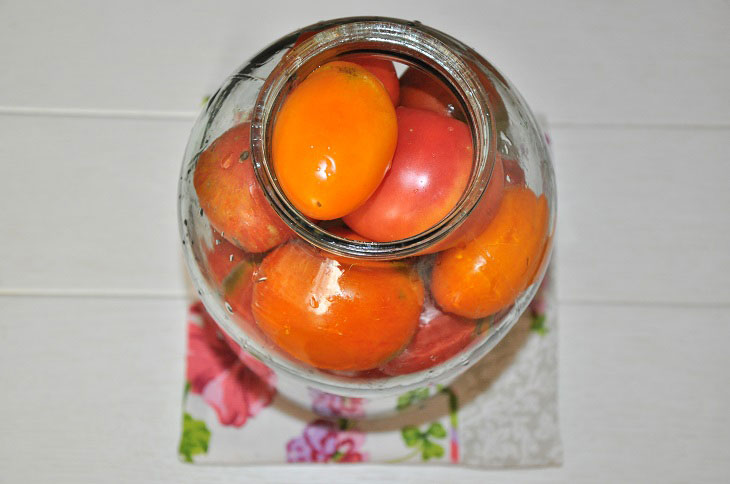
column 429, row 172
column 482, row 214
column 423, row 91
column 238, row 293
column 304, row 36
column 384, row 71
column 439, row 337
column 233, row 272
column 513, row 172
column 231, row 197
column 222, row 257
column 346, row 233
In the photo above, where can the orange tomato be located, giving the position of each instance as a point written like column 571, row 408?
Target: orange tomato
column 333, row 316
column 488, row 273
column 333, row 140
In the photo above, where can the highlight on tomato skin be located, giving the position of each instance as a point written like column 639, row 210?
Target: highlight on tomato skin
column 334, row 316
column 333, row 140
column 231, row 196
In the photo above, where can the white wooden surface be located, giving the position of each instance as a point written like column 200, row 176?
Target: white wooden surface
column 96, row 101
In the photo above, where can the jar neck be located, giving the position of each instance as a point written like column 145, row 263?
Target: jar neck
column 405, row 42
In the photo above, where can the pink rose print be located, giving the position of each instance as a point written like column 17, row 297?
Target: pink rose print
column 323, row 441
column 230, row 380
column 329, row 405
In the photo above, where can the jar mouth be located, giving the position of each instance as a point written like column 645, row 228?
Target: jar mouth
column 406, row 42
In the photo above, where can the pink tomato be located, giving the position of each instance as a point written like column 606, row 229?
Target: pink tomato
column 429, row 172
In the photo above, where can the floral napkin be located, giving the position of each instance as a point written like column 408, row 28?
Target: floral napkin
column 501, row 413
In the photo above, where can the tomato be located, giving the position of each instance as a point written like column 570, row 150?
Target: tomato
column 384, row 70
column 419, row 89
column 333, row 140
column 480, row 216
column 346, row 233
column 233, row 272
column 238, row 293
column 222, row 258
column 333, row 316
column 513, row 172
column 428, row 175
column 423, row 91
column 488, row 273
column 231, row 197
column 439, row 337
column 307, row 34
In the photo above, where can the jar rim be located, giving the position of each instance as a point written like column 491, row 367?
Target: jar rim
column 414, row 44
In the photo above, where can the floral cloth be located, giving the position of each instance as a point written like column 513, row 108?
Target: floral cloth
column 501, row 413
column 324, row 441
column 236, row 385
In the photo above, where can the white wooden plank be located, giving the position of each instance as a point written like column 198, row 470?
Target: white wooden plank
column 90, row 208
column 580, row 62
column 90, row 205
column 643, row 393
column 92, row 390
column 643, row 215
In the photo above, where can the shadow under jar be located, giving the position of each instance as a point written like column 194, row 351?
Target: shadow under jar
column 340, row 306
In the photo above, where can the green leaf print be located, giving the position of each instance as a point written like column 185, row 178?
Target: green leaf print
column 422, row 442
column 411, row 435
column 195, row 438
column 436, row 430
column 538, row 324
column 431, row 450
column 412, row 397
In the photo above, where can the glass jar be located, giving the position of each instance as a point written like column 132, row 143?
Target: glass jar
column 510, row 187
